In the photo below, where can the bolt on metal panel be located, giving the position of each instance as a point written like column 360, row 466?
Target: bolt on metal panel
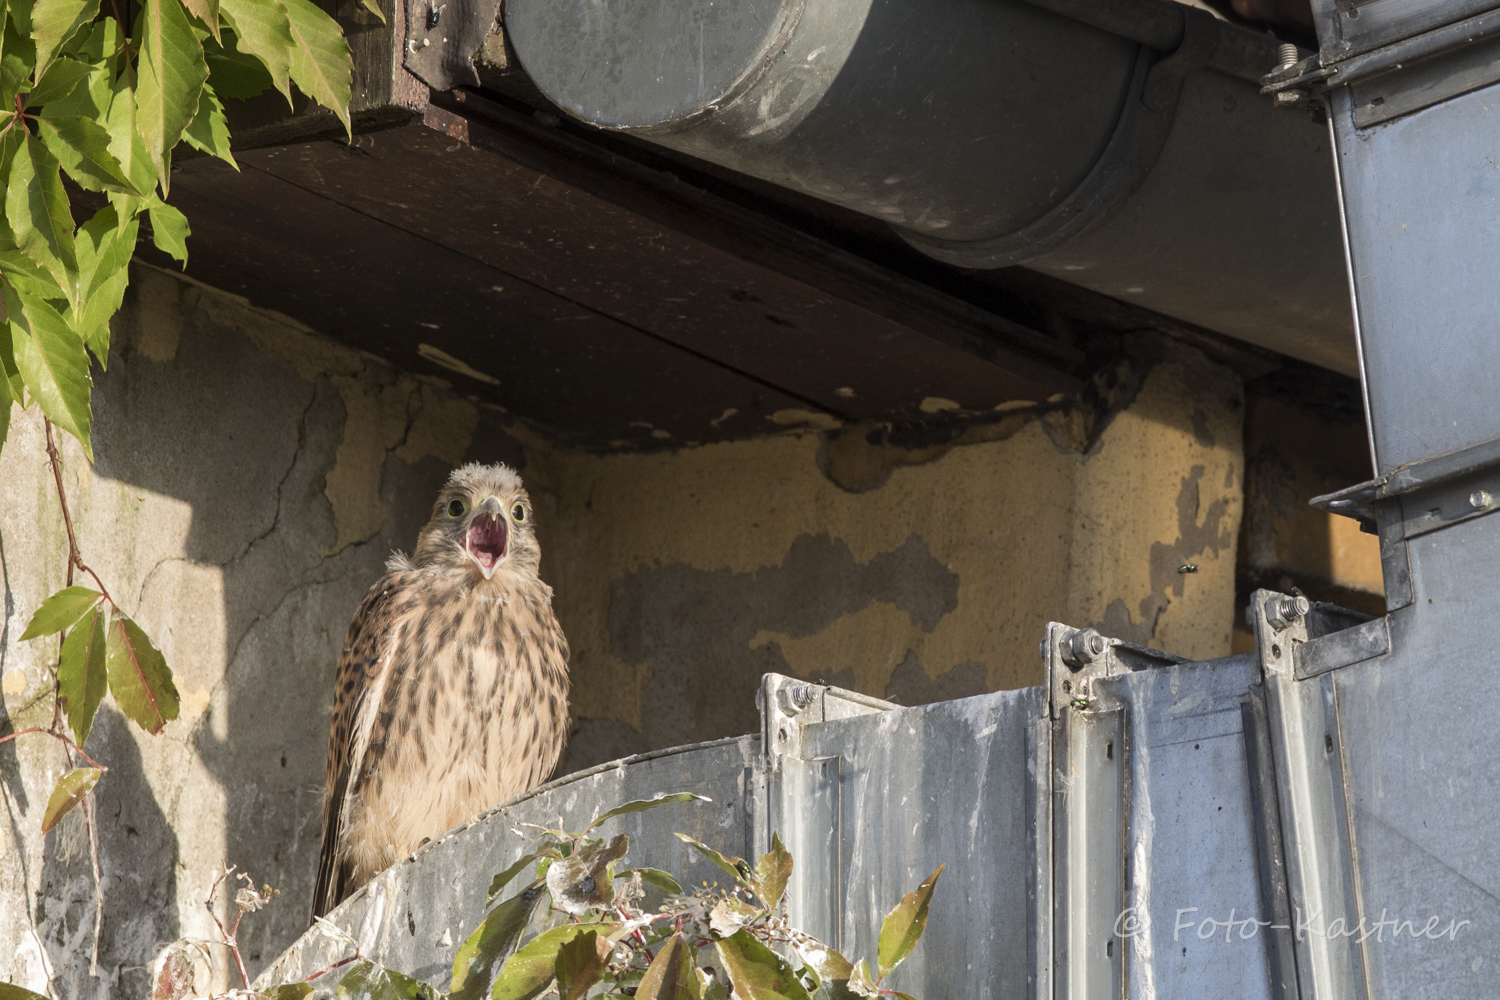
column 1158, row 865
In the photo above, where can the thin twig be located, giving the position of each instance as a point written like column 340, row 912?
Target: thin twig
column 88, row 818
column 56, row 736
column 75, row 559
column 343, row 961
column 234, row 948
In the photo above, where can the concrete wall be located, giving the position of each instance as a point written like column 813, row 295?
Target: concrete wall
column 251, row 480
column 683, row 576
column 252, row 477
column 1305, row 436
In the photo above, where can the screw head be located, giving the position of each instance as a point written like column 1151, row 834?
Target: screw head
column 1480, row 499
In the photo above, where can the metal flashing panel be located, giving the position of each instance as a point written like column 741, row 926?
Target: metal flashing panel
column 1423, row 219
column 1194, row 921
column 1422, row 770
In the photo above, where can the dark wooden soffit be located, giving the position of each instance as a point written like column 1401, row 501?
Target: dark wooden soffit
column 605, row 300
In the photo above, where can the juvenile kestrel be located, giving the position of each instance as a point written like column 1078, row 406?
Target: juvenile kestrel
column 452, row 690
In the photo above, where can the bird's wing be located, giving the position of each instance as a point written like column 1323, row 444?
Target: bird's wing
column 361, row 665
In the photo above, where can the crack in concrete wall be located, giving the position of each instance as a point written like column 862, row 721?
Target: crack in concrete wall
column 253, row 477
column 240, row 507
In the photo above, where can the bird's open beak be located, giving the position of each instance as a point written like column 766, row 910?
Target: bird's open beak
column 488, row 538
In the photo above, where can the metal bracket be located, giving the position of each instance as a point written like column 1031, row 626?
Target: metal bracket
column 1089, row 811
column 1302, row 716
column 443, row 37
column 1418, row 499
column 805, row 795
column 787, row 704
column 1088, row 816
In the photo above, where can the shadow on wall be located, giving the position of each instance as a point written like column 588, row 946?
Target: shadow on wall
column 686, row 622
column 201, row 406
column 138, row 855
column 1305, row 436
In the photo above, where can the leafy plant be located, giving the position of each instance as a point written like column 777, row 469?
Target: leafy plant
column 592, row 935
column 86, row 96
column 93, row 106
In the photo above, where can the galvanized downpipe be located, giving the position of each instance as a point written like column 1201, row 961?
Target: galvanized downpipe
column 1118, row 144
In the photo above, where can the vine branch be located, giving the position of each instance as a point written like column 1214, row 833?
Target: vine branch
column 56, row 736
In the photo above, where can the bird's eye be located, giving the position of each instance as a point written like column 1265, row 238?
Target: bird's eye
column 519, row 513
column 455, row 508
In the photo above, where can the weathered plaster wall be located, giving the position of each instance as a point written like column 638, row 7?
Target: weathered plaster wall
column 252, row 477
column 684, row 576
column 251, row 480
column 1304, row 438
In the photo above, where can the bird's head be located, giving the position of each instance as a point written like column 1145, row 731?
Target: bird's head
column 481, row 522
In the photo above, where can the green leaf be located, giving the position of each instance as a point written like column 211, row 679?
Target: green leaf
column 104, row 250
column 97, row 48
column 53, row 364
column 10, row 991
column 206, row 11
column 5, row 402
column 53, row 22
column 772, row 872
column 19, row 57
column 82, row 677
column 233, row 74
column 579, row 966
column 658, row 878
column 672, row 975
column 126, row 143
column 262, row 30
column 755, row 971
column 903, row 926
column 62, row 610
column 208, row 132
column 60, row 80
column 27, row 276
column 171, row 72
column 169, row 229
column 368, row 981
column 641, row 805
column 499, row 882
column 36, row 209
column 479, row 957
column 736, row 867
column 70, row 790
column 534, row 965
column 138, row 676
column 82, row 148
column 290, row 991
column 321, row 63
column 12, row 375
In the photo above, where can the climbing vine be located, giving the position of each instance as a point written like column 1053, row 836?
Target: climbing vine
column 587, row 925
column 95, row 99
